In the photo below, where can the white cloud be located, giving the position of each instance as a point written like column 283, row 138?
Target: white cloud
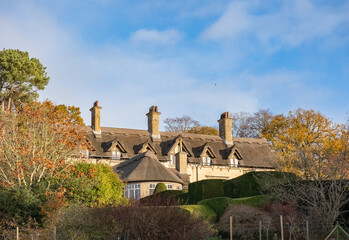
column 234, row 21
column 125, row 81
column 170, row 36
column 295, row 22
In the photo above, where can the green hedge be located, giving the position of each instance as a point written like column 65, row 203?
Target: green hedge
column 205, row 189
column 202, row 211
column 180, row 195
column 219, row 204
column 254, row 183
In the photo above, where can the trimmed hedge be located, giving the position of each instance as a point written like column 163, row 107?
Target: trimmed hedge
column 202, row 211
column 160, row 187
column 205, row 189
column 253, row 183
column 180, row 196
column 219, row 204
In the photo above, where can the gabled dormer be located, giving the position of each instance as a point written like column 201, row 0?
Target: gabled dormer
column 146, row 146
column 115, row 148
column 178, row 145
column 206, row 154
column 234, row 156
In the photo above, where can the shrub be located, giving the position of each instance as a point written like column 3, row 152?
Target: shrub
column 205, row 189
column 245, row 221
column 93, row 185
column 201, row 211
column 174, row 197
column 219, row 204
column 160, row 187
column 254, row 183
column 150, row 222
column 293, row 220
column 20, row 204
column 77, row 223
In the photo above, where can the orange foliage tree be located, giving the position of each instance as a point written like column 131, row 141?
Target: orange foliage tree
column 316, row 149
column 309, row 144
column 35, row 143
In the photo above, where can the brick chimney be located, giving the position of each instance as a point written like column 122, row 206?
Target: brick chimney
column 225, row 128
column 153, row 122
column 96, row 118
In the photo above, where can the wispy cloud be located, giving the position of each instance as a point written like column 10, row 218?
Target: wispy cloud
column 293, row 23
column 170, row 36
column 202, row 81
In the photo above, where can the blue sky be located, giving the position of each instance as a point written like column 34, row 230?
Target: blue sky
column 199, row 58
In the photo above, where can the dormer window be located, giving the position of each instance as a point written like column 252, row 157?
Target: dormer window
column 116, row 155
column 172, row 159
column 206, row 161
column 234, row 162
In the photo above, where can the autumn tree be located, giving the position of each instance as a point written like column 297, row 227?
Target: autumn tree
column 306, row 142
column 35, row 143
column 20, row 78
column 204, row 130
column 316, row 149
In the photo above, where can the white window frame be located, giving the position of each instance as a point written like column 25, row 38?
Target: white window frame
column 206, row 161
column 132, row 191
column 179, row 187
column 172, row 159
column 234, row 162
column 169, row 186
column 116, row 155
column 151, row 188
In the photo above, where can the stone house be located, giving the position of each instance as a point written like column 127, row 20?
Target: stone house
column 143, row 158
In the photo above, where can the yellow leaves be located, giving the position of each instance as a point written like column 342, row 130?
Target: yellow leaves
column 307, row 143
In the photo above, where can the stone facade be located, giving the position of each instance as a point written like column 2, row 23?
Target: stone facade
column 191, row 157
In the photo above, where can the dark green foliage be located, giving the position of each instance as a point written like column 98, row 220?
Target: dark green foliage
column 219, row 204
column 169, row 196
column 160, row 187
column 19, row 204
column 254, row 183
column 205, row 189
column 202, row 211
column 20, row 77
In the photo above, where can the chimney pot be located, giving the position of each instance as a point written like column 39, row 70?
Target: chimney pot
column 225, row 115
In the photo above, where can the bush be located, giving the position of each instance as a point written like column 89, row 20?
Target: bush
column 93, row 185
column 201, row 211
column 205, row 189
column 174, row 197
column 245, row 221
column 160, row 187
column 150, row 222
column 77, row 223
column 20, row 204
column 219, row 204
column 254, row 183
